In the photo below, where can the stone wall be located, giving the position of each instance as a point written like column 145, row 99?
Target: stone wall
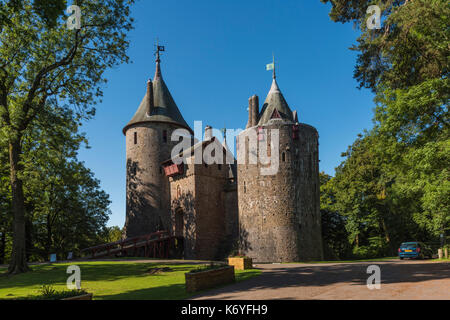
column 208, row 203
column 148, row 196
column 279, row 214
column 182, row 191
column 207, row 279
column 231, row 219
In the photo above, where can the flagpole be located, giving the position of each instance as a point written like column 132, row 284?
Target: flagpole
column 274, row 74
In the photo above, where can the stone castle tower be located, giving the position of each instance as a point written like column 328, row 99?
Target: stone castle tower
column 208, row 206
column 279, row 214
column 148, row 144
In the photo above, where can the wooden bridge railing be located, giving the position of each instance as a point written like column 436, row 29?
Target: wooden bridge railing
column 156, row 245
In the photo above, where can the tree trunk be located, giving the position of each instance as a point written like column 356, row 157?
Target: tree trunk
column 2, row 246
column 48, row 245
column 386, row 232
column 18, row 262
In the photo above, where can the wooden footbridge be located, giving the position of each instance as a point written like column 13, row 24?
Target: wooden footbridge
column 155, row 245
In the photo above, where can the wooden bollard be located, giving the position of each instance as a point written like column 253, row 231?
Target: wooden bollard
column 446, row 253
column 440, row 253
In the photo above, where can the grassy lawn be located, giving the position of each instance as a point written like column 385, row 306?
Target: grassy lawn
column 108, row 280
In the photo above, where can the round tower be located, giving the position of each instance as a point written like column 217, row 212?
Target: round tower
column 279, row 213
column 148, row 144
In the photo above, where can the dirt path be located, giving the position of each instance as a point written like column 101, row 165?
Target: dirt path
column 400, row 280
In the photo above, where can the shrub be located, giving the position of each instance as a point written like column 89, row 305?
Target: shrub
column 47, row 292
column 211, row 266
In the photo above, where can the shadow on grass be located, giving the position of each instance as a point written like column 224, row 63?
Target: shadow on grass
column 100, row 276
column 93, row 271
column 171, row 292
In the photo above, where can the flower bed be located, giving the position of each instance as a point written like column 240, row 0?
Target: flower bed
column 200, row 280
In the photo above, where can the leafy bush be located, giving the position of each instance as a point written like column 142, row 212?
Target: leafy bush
column 377, row 248
column 211, row 266
column 47, row 292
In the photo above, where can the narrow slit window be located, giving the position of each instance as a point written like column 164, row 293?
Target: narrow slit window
column 283, row 157
column 165, row 136
column 135, row 138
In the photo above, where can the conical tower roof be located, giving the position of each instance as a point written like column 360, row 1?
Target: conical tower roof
column 275, row 106
column 164, row 108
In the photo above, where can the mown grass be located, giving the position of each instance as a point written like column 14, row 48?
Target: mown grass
column 108, row 280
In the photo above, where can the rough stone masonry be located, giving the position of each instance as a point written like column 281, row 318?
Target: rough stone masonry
column 218, row 207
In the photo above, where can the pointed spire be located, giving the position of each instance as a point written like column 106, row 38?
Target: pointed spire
column 158, row 104
column 158, row 59
column 224, row 132
column 274, row 87
column 275, row 106
column 229, row 157
column 158, row 66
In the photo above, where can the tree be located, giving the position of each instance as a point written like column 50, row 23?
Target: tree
column 49, row 11
column 65, row 208
column 43, row 65
column 406, row 65
column 334, row 234
column 65, row 203
column 112, row 234
column 411, row 46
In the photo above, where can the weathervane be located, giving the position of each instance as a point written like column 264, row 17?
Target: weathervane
column 158, row 50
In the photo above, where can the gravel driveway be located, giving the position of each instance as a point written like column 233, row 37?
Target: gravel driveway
column 400, row 280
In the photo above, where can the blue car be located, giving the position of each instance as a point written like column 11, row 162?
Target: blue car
column 414, row 250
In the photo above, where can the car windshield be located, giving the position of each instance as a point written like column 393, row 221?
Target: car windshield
column 408, row 244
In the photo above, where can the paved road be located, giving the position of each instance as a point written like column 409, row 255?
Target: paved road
column 400, row 280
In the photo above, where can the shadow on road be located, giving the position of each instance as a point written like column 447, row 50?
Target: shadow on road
column 287, row 275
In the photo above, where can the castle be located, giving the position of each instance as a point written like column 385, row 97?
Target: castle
column 272, row 217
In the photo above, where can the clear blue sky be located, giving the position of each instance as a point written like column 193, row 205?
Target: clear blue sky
column 216, row 53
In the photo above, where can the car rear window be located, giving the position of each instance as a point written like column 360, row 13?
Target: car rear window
column 408, row 244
